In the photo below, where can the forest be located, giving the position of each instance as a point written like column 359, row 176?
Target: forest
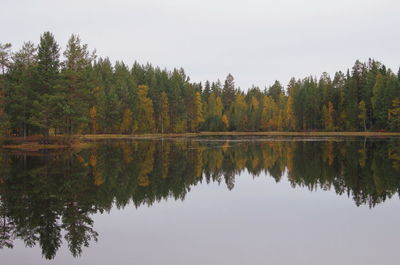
column 46, row 91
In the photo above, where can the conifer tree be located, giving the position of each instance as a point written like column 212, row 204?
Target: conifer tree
column 75, row 85
column 21, row 88
column 228, row 92
column 47, row 99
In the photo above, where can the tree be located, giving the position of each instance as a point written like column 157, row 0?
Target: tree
column 378, row 102
column 164, row 112
column 5, row 55
column 328, row 114
column 145, row 110
column 21, row 88
column 198, row 112
column 254, row 114
column 239, row 118
column 291, row 119
column 228, row 92
column 269, row 114
column 75, row 85
column 275, row 90
column 4, row 122
column 225, row 122
column 93, row 119
column 4, row 64
column 394, row 115
column 362, row 114
column 214, row 113
column 47, row 101
column 127, row 125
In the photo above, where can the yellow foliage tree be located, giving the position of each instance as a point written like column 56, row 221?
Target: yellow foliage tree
column 145, row 110
column 269, row 114
column 198, row 112
column 93, row 118
column 127, row 121
column 291, row 119
column 225, row 122
column 164, row 115
column 328, row 114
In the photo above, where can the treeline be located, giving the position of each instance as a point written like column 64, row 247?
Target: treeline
column 42, row 91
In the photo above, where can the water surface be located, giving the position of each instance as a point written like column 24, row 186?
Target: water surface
column 204, row 201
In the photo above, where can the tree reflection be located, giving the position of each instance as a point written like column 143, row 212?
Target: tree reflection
column 47, row 197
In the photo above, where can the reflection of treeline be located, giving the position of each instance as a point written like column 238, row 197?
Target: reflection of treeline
column 43, row 195
column 367, row 171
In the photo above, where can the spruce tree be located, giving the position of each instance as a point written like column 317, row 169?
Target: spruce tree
column 47, row 99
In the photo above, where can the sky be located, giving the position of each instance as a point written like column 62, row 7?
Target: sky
column 257, row 41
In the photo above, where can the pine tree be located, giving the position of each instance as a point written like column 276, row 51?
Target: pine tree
column 75, row 85
column 275, row 90
column 47, row 101
column 378, row 103
column 5, row 55
column 4, row 121
column 21, row 88
column 228, row 92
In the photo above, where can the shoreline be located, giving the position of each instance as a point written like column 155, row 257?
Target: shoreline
column 201, row 134
column 27, row 144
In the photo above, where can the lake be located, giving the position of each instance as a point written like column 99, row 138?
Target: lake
column 247, row 200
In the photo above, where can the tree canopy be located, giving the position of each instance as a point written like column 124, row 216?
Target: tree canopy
column 46, row 91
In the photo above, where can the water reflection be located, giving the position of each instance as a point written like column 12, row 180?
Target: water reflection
column 48, row 197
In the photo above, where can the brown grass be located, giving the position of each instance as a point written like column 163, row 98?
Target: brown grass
column 32, row 147
column 169, row 135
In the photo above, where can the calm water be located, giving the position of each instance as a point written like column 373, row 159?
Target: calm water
column 204, row 201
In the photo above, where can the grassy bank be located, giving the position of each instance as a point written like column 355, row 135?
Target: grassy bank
column 38, row 142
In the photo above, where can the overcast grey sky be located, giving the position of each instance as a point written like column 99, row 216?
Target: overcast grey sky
column 258, row 41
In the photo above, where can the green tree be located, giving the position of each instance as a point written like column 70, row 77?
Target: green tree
column 228, row 92
column 5, row 55
column 378, row 103
column 275, row 90
column 21, row 88
column 75, row 73
column 394, row 115
column 291, row 119
column 47, row 101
